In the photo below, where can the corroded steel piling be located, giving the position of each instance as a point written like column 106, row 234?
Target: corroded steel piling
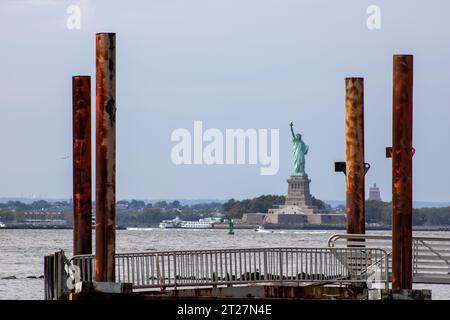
column 402, row 153
column 354, row 168
column 354, row 154
column 82, row 184
column 105, row 156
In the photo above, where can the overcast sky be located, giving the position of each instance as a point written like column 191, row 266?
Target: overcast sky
column 231, row 64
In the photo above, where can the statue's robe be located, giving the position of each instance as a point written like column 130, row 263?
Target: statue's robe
column 299, row 150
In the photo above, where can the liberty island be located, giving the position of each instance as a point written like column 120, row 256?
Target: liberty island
column 298, row 208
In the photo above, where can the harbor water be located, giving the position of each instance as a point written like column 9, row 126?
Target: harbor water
column 22, row 251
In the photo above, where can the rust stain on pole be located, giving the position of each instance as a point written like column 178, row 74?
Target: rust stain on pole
column 402, row 152
column 82, row 182
column 354, row 153
column 105, row 157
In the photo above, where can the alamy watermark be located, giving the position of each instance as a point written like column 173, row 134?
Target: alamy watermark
column 374, row 19
column 235, row 147
column 73, row 21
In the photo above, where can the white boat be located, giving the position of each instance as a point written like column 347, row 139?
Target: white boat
column 177, row 223
column 2, row 225
column 262, row 230
column 196, row 225
column 170, row 224
column 167, row 225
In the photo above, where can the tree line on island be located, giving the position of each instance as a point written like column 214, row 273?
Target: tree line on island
column 236, row 209
column 139, row 213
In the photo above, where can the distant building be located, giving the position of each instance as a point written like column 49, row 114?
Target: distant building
column 253, row 218
column 45, row 222
column 374, row 193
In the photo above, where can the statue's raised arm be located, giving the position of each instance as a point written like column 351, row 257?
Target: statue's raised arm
column 292, row 129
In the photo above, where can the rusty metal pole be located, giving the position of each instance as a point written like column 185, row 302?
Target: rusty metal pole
column 82, row 177
column 105, row 157
column 354, row 168
column 402, row 153
column 354, row 154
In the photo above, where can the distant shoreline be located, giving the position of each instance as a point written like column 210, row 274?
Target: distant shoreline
column 192, row 201
column 245, row 227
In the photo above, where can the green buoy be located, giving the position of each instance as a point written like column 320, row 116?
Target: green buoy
column 231, row 227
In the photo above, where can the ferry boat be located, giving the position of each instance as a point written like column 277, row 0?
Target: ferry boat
column 196, row 225
column 177, row 223
column 166, row 224
column 170, row 224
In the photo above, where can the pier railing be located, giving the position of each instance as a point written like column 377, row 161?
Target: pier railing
column 54, row 276
column 172, row 269
column 431, row 255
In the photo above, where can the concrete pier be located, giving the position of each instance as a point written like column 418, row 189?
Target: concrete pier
column 249, row 292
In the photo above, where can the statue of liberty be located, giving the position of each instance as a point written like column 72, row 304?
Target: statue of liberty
column 299, row 150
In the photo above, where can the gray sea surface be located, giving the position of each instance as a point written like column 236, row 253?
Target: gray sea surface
column 22, row 251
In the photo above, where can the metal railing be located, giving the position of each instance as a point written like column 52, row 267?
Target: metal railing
column 54, row 275
column 431, row 255
column 243, row 266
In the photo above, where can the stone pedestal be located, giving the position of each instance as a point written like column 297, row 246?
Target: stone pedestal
column 298, row 191
column 298, row 209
